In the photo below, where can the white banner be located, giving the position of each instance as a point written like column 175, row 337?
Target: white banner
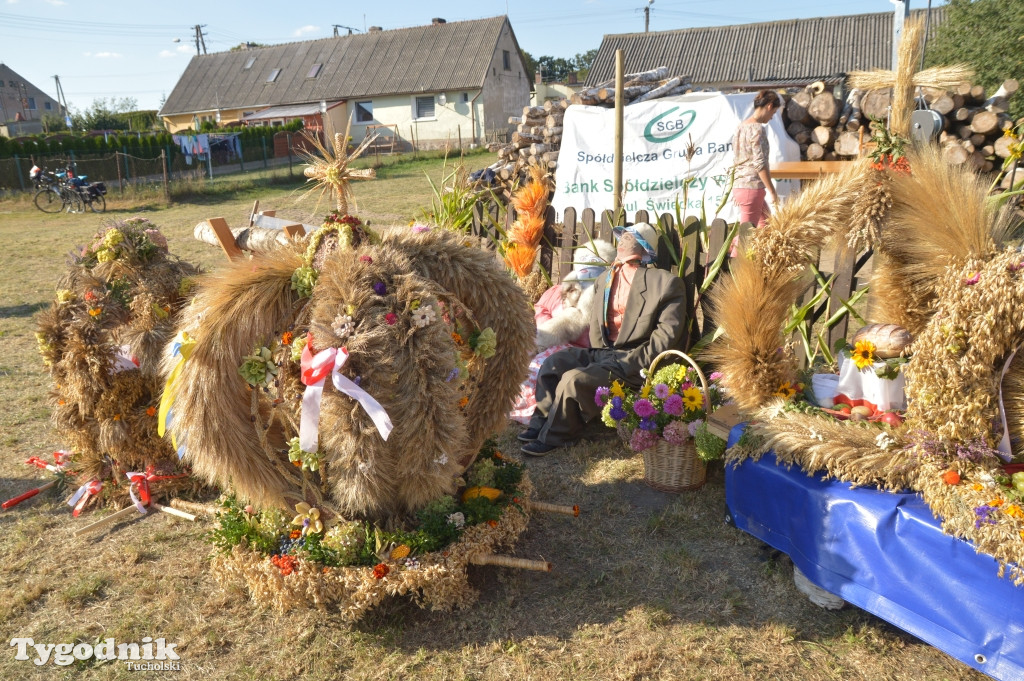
column 655, row 170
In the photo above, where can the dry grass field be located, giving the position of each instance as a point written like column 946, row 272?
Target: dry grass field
column 646, row 585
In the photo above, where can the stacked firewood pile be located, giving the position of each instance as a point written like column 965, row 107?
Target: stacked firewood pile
column 538, row 134
column 826, row 126
column 829, row 128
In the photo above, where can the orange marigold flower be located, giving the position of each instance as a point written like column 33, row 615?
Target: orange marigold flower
column 463, row 402
column 497, row 455
column 295, row 534
column 60, row 403
column 492, row 523
column 381, row 570
column 998, row 501
column 326, row 570
column 287, row 337
column 117, row 417
column 977, row 487
column 94, row 311
column 151, row 411
column 1014, row 511
column 951, row 477
column 457, row 338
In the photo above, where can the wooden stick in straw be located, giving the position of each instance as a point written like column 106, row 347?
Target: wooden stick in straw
column 173, row 511
column 545, row 507
column 109, row 520
column 509, row 561
column 27, row 495
column 192, row 507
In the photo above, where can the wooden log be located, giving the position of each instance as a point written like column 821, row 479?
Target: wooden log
column 851, row 107
column 943, row 104
column 963, row 89
column 988, row 150
column 977, row 139
column 534, row 112
column 824, row 108
column 985, row 122
column 795, row 128
column 954, row 154
column 816, row 88
column 964, row 131
column 998, row 105
column 962, row 114
column 659, row 91
column 968, row 145
column 803, row 139
column 560, row 509
column 553, row 121
column 520, row 139
column 552, row 131
column 875, row 104
column 978, row 93
column 254, row 239
column 944, row 137
column 538, row 149
column 796, row 107
column 550, row 156
column 653, row 75
column 847, row 144
column 815, row 152
column 1002, row 146
column 628, row 93
column 976, row 160
column 823, row 135
column 515, row 120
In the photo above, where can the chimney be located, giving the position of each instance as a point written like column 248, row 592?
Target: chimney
column 437, row 21
column 375, row 29
column 538, row 77
column 572, row 80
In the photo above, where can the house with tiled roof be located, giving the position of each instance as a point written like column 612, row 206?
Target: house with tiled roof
column 22, row 105
column 432, row 84
column 791, row 52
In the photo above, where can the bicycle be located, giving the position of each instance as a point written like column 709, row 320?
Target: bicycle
column 49, row 196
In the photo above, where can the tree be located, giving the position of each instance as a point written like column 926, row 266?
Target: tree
column 988, row 35
column 582, row 63
column 557, row 69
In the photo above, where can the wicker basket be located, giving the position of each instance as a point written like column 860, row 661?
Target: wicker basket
column 676, row 468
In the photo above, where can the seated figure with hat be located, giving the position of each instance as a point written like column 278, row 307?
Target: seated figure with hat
column 638, row 312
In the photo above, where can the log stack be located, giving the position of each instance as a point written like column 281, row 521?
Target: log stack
column 827, row 126
column 538, row 132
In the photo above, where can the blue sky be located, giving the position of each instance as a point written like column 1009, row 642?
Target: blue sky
column 120, row 48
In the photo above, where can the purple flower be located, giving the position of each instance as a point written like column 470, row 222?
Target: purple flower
column 692, row 427
column 642, row 439
column 648, row 424
column 617, row 413
column 452, row 375
column 379, row 288
column 661, row 391
column 715, row 375
column 984, row 514
column 673, row 405
column 600, row 395
column 643, row 408
column 419, row 229
column 973, row 279
column 675, row 433
column 617, row 401
column 686, row 384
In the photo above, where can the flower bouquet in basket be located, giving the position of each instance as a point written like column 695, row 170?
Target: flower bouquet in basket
column 671, row 406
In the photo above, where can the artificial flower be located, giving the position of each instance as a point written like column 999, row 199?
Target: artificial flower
column 65, row 296
column 786, row 390
column 715, row 375
column 648, row 424
column 303, row 280
column 380, row 288
column 863, row 354
column 95, row 311
column 297, row 346
column 391, row 319
column 310, row 461
column 457, row 519
column 259, row 368
column 692, row 426
column 463, row 402
column 973, row 279
column 159, row 312
column 343, row 326
column 1014, row 511
column 367, row 259
column 486, row 343
column 645, row 391
column 151, row 411
column 951, row 477
column 308, row 517
column 692, row 398
column 106, row 255
column 423, row 315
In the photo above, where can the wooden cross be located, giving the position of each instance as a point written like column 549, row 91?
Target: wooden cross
column 905, row 79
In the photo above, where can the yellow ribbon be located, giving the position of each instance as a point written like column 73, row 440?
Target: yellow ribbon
column 185, row 345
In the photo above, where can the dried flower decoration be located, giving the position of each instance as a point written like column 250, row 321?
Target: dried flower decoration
column 343, row 326
column 308, row 518
column 423, row 316
column 259, row 368
column 951, row 477
column 287, row 337
column 381, row 570
column 380, row 288
column 391, row 318
column 309, row 461
column 303, row 280
column 484, row 343
column 367, row 259
column 457, row 519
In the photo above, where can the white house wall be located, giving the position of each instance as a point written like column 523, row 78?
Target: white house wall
column 450, row 120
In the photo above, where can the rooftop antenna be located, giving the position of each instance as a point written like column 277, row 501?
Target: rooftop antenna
column 337, row 26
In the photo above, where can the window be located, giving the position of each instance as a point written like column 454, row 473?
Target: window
column 314, row 71
column 425, row 107
column 465, row 98
column 364, row 112
column 273, row 75
column 32, row 103
column 249, row 63
column 506, row 60
column 48, row 106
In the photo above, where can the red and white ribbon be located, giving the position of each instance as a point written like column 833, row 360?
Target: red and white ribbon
column 1004, row 442
column 124, row 360
column 315, row 369
column 82, row 496
column 140, row 482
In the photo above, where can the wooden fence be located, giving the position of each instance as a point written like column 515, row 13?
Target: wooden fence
column 689, row 250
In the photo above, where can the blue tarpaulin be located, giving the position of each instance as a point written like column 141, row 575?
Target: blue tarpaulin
column 885, row 553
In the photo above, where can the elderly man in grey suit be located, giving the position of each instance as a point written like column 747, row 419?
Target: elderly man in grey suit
column 638, row 312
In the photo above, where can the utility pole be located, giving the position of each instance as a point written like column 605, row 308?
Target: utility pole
column 647, row 15
column 62, row 102
column 900, row 14
column 200, row 38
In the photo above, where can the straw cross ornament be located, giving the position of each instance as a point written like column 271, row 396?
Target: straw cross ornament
column 329, row 170
column 904, row 80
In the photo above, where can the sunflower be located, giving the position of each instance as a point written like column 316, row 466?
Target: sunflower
column 785, row 391
column 863, row 354
column 692, row 398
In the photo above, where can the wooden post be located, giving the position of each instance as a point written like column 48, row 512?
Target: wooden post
column 264, row 141
column 619, row 105
column 17, row 170
column 127, row 169
column 460, row 138
column 167, row 187
column 289, row 137
column 117, row 163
